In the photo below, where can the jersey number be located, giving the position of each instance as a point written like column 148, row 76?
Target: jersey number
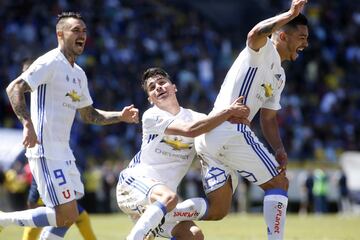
column 59, row 174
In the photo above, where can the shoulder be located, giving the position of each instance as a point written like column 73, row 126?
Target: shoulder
column 151, row 113
column 194, row 114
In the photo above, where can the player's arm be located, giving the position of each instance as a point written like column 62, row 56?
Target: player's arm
column 270, row 130
column 16, row 94
column 257, row 36
column 91, row 115
column 193, row 129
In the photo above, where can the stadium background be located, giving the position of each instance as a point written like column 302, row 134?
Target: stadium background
column 196, row 42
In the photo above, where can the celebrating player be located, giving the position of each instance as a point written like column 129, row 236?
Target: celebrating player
column 229, row 149
column 147, row 188
column 58, row 88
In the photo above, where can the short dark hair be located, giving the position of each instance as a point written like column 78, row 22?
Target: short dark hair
column 65, row 15
column 151, row 72
column 298, row 20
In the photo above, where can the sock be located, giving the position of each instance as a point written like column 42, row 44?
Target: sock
column 53, row 233
column 37, row 217
column 275, row 203
column 190, row 209
column 150, row 219
column 84, row 226
column 31, row 233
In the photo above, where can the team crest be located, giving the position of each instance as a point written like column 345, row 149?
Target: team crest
column 176, row 143
column 268, row 89
column 73, row 95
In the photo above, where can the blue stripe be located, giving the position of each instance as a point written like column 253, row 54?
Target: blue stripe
column 250, row 83
column 276, row 191
column 255, row 146
column 161, row 206
column 39, row 218
column 49, row 183
column 138, row 185
column 59, row 231
column 244, row 82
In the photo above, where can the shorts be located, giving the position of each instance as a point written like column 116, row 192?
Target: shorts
column 133, row 196
column 237, row 150
column 58, row 182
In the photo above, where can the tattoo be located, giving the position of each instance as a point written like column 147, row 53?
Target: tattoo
column 94, row 116
column 267, row 28
column 16, row 96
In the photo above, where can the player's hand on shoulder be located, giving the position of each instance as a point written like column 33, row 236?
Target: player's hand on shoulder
column 29, row 135
column 130, row 114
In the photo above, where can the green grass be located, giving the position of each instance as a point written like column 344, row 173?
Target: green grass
column 239, row 227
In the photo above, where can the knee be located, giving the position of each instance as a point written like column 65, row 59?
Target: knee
column 216, row 215
column 170, row 199
column 197, row 233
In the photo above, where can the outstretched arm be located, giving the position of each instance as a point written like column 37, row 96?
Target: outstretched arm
column 16, row 94
column 91, row 115
column 193, row 129
column 257, row 37
column 270, row 130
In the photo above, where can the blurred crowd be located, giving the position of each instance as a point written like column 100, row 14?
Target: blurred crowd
column 319, row 117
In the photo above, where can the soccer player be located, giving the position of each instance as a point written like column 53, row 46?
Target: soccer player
column 229, row 149
column 146, row 190
column 58, row 88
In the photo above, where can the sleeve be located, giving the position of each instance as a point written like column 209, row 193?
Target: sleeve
column 274, row 102
column 258, row 56
column 38, row 73
column 85, row 99
column 155, row 123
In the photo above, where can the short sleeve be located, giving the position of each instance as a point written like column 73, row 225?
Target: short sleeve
column 263, row 52
column 273, row 103
column 85, row 99
column 38, row 73
column 155, row 123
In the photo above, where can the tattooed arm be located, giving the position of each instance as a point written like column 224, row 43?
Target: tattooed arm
column 91, row 115
column 257, row 37
column 16, row 94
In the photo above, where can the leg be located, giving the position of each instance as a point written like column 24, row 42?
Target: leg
column 275, row 204
column 84, row 225
column 219, row 202
column 187, row 230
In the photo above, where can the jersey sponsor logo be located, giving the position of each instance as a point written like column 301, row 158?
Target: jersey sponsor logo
column 279, row 211
column 176, row 143
column 66, row 194
column 73, row 95
column 268, row 89
column 172, row 155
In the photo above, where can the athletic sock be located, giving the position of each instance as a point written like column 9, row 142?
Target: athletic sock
column 190, row 209
column 84, row 226
column 150, row 219
column 275, row 204
column 53, row 233
column 37, row 217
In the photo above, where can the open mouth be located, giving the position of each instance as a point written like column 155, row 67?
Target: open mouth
column 161, row 95
column 80, row 43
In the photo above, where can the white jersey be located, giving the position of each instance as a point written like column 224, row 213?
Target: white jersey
column 58, row 89
column 258, row 76
column 163, row 157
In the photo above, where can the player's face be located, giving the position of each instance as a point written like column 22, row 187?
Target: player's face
column 160, row 89
column 74, row 36
column 297, row 41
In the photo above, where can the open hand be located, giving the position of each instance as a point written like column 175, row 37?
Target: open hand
column 130, row 114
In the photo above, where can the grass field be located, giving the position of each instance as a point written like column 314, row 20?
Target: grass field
column 239, row 227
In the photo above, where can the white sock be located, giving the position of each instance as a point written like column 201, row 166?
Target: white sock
column 190, row 209
column 275, row 204
column 37, row 217
column 48, row 233
column 53, row 233
column 150, row 219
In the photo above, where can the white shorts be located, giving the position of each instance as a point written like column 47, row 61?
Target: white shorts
column 239, row 150
column 58, row 182
column 133, row 196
